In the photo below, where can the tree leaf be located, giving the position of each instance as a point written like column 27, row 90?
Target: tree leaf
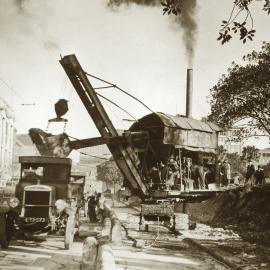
column 244, row 93
column 220, row 37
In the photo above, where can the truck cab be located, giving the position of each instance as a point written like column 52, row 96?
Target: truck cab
column 43, row 180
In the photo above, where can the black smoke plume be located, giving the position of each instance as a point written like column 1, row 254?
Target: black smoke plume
column 186, row 19
column 24, row 8
column 20, row 4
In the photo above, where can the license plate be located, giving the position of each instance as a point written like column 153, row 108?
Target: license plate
column 31, row 219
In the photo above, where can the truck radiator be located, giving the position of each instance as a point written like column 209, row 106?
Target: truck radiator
column 37, row 203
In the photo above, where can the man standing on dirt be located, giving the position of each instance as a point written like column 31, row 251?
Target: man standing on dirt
column 92, row 204
column 100, row 206
column 259, row 176
column 250, row 173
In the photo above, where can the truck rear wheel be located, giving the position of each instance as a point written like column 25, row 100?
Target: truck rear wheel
column 69, row 232
column 3, row 232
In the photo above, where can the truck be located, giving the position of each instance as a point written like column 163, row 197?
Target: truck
column 43, row 200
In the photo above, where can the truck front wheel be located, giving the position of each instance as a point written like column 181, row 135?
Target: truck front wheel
column 3, row 231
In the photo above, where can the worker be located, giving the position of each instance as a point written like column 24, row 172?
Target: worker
column 100, row 206
column 259, row 176
column 155, row 178
column 219, row 174
column 92, row 204
column 174, row 176
column 85, row 203
column 187, row 181
column 228, row 171
column 224, row 173
column 197, row 172
column 250, row 179
column 209, row 175
column 172, row 163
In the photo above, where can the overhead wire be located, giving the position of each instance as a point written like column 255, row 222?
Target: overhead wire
column 31, row 104
column 11, row 89
column 24, row 102
column 85, row 154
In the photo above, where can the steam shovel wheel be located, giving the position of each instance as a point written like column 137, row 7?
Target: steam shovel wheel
column 70, row 230
column 3, row 237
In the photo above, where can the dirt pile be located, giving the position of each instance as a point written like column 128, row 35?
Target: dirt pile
column 247, row 212
column 49, row 144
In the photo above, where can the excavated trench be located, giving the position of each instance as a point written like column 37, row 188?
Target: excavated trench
column 236, row 224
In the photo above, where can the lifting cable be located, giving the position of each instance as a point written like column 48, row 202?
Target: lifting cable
column 85, row 154
column 118, row 88
column 117, row 106
column 102, row 87
column 121, row 122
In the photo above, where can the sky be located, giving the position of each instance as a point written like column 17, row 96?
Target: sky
column 134, row 47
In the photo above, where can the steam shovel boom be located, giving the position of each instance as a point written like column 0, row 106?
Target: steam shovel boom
column 123, row 154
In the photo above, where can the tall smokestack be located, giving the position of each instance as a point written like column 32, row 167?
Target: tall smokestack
column 189, row 93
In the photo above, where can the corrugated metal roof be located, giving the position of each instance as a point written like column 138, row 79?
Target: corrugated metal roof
column 214, row 126
column 198, row 149
column 187, row 123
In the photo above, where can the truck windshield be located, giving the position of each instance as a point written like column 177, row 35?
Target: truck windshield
column 32, row 173
column 47, row 173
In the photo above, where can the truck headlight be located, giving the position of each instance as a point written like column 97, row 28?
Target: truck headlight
column 13, row 202
column 60, row 205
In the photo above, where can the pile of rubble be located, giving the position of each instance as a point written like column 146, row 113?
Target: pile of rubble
column 248, row 214
column 206, row 232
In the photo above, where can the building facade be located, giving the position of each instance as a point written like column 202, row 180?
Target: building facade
column 95, row 154
column 7, row 131
column 264, row 156
column 226, row 139
column 23, row 146
column 90, row 158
